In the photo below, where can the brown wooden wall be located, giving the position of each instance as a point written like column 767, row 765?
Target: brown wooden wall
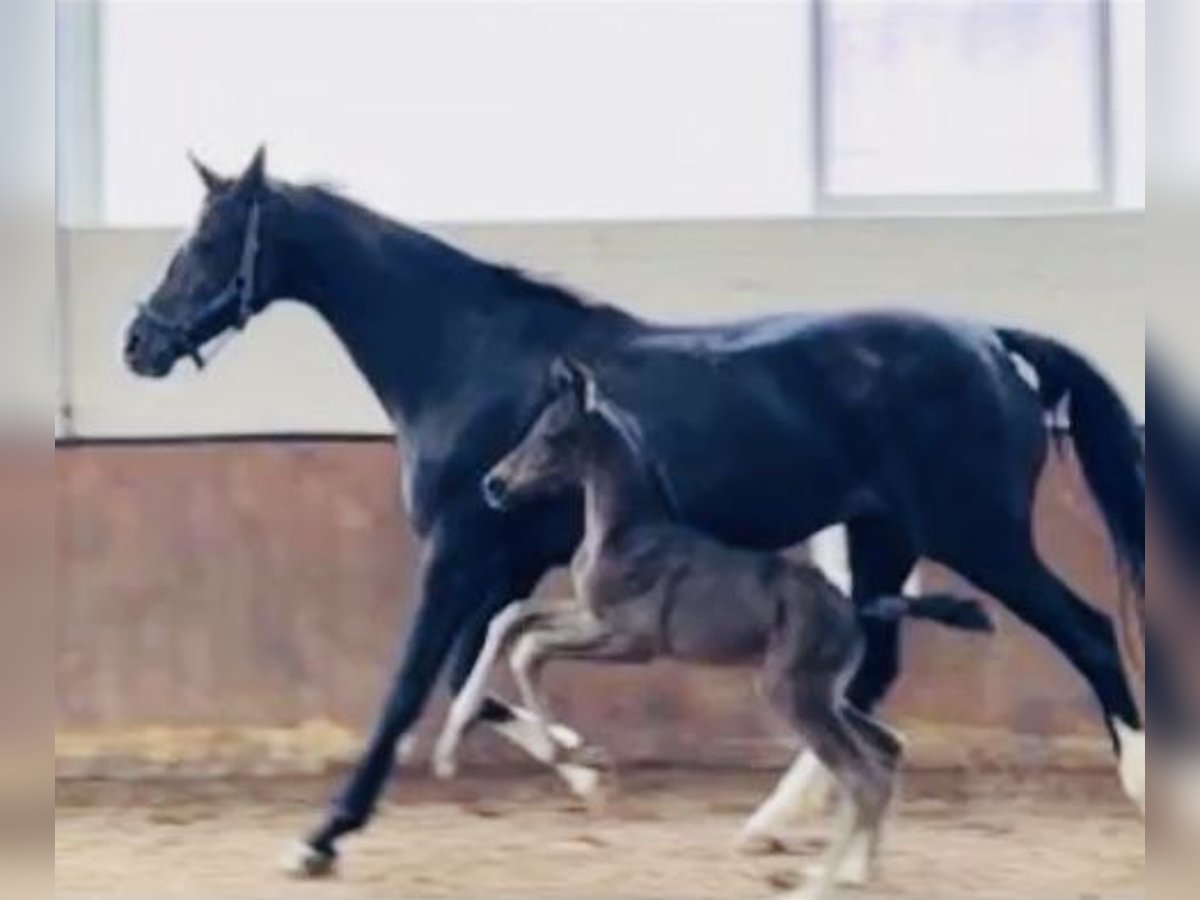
column 238, row 605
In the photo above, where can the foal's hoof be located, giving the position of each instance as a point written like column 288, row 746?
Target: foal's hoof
column 851, row 875
column 308, row 863
column 445, row 765
column 593, row 757
column 591, row 772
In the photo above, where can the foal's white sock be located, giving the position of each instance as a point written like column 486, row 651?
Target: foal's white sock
column 805, row 788
column 524, row 731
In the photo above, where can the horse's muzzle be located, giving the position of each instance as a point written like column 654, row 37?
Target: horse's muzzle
column 148, row 353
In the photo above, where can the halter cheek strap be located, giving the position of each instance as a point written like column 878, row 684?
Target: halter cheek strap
column 238, row 293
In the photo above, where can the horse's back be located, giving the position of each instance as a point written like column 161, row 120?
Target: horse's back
column 827, row 418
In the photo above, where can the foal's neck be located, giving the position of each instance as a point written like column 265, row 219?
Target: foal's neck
column 621, row 491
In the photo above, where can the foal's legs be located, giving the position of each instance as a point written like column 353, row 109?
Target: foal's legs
column 577, row 634
column 887, row 748
column 881, row 559
column 817, row 712
column 473, row 705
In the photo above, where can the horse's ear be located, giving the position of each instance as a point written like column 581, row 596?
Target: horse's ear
column 213, row 183
column 255, row 176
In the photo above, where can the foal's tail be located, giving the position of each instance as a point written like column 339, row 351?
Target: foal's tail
column 1106, row 440
column 945, row 609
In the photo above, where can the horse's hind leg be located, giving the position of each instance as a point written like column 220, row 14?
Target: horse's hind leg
column 1084, row 635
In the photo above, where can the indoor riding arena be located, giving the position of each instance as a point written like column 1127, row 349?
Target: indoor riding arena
column 272, row 547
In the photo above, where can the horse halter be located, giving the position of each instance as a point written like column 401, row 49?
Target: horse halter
column 238, row 293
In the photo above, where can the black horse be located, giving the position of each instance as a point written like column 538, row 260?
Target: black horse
column 921, row 434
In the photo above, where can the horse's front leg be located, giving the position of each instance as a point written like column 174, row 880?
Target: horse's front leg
column 459, row 576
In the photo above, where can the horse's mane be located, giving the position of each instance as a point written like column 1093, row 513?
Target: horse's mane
column 516, row 281
column 510, row 280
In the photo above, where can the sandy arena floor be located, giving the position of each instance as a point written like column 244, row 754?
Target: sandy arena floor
column 668, row 836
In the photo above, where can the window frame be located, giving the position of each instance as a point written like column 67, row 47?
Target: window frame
column 1103, row 199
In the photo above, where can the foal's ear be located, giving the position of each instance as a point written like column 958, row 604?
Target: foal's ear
column 567, row 374
column 213, row 183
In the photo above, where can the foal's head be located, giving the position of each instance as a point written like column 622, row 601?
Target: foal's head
column 555, row 451
column 217, row 280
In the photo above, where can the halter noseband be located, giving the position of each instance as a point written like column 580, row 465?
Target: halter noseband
column 239, row 293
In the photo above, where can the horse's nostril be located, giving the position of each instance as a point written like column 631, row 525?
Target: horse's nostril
column 494, row 490
column 131, row 343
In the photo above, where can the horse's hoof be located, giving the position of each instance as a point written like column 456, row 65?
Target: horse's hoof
column 306, row 862
column 751, row 844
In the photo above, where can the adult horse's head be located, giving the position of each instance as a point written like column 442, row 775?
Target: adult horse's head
column 218, row 279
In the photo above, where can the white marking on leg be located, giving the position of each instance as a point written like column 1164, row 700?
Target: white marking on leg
column 857, row 867
column 406, row 750
column 1133, row 762
column 470, row 699
column 302, row 861
column 824, row 876
column 830, row 552
column 525, row 731
column 786, row 805
column 816, row 795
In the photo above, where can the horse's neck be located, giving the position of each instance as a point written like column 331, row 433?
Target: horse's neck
column 620, row 492
column 398, row 300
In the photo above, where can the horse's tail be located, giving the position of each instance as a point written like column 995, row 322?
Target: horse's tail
column 945, row 609
column 1106, row 439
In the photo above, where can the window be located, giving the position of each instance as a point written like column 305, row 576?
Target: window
column 963, row 101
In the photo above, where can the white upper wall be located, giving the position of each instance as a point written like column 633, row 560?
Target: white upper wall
column 1079, row 278
column 504, row 110
column 465, row 111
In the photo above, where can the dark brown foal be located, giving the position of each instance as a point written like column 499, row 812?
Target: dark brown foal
column 649, row 588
